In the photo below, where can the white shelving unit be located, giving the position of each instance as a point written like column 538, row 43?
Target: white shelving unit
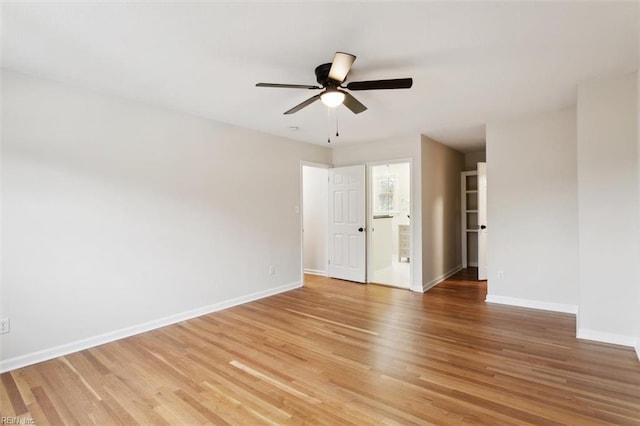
column 469, row 217
column 403, row 243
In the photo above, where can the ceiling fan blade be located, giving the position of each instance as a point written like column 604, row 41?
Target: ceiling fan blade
column 340, row 66
column 353, row 104
column 303, row 104
column 396, row 83
column 288, row 86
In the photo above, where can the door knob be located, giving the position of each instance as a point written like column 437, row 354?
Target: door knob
column 360, row 229
column 483, row 227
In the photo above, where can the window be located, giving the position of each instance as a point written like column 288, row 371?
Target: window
column 385, row 195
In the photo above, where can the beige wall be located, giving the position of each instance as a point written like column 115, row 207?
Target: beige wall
column 120, row 217
column 471, row 160
column 441, row 249
column 638, row 148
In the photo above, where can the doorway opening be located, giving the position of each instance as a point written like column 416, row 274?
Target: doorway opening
column 473, row 198
column 315, row 192
column 389, row 248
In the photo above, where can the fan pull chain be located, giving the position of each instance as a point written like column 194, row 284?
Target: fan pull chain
column 337, row 134
column 328, row 125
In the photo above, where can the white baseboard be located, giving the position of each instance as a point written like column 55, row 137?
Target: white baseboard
column 473, row 264
column 533, row 304
column 438, row 280
column 638, row 349
column 315, row 272
column 79, row 345
column 615, row 339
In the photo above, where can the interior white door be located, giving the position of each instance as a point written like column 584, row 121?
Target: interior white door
column 347, row 242
column 482, row 221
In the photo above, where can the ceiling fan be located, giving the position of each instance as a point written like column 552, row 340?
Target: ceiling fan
column 331, row 78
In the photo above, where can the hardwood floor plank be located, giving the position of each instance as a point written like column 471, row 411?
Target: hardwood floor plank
column 6, row 408
column 95, row 362
column 204, row 411
column 80, row 378
column 15, row 399
column 70, row 401
column 335, row 352
column 226, row 401
column 24, row 388
column 117, row 412
column 133, row 404
column 48, row 409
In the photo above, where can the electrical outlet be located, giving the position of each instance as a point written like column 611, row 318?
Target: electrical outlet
column 272, row 270
column 4, row 325
column 501, row 275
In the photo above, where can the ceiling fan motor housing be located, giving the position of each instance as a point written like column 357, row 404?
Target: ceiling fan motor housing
column 322, row 76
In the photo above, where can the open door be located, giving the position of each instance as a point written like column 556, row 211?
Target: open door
column 347, row 242
column 482, row 221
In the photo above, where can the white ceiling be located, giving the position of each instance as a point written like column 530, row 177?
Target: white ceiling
column 471, row 62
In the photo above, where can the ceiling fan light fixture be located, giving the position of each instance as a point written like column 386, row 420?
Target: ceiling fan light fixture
column 332, row 98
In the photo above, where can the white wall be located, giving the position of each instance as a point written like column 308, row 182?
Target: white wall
column 316, row 218
column 119, row 216
column 2, row 294
column 532, row 211
column 441, row 204
column 608, row 210
column 394, row 149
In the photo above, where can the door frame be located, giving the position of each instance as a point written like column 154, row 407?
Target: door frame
column 369, row 216
column 301, row 212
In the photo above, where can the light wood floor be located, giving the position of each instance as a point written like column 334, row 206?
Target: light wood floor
column 341, row 353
